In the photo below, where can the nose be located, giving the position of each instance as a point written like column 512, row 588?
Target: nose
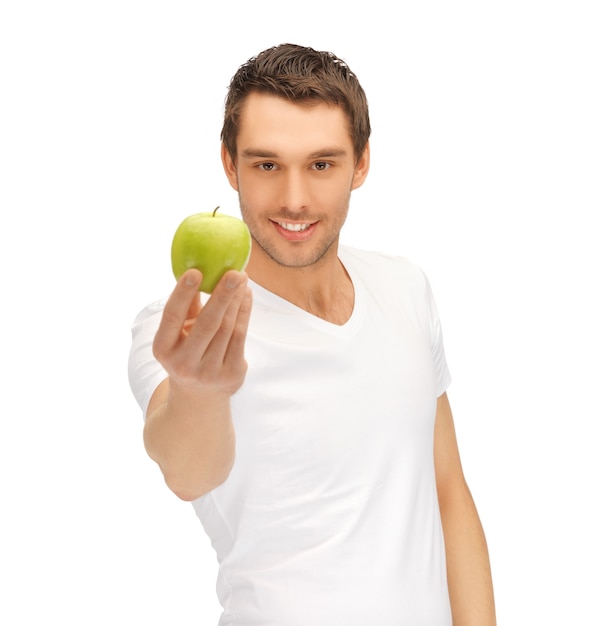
column 294, row 192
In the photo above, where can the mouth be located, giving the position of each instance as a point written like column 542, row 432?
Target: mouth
column 295, row 231
column 294, row 228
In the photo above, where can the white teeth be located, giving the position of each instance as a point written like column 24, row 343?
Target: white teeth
column 297, row 228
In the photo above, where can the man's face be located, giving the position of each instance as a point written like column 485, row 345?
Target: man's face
column 294, row 174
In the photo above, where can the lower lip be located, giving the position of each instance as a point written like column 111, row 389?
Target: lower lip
column 294, row 235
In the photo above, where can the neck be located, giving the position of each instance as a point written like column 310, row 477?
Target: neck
column 323, row 289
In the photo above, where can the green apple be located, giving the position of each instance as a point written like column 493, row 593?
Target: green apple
column 211, row 243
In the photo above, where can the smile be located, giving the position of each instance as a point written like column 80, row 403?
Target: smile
column 295, row 228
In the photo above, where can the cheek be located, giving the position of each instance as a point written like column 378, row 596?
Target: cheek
column 339, row 194
column 252, row 189
column 253, row 199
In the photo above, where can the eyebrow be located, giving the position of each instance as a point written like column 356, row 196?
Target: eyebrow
column 323, row 153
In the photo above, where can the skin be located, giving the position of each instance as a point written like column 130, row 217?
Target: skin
column 294, row 165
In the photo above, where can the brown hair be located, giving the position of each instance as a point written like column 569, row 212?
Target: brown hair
column 299, row 74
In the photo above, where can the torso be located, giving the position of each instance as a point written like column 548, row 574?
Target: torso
column 330, row 514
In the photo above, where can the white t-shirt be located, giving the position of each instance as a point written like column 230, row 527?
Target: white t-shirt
column 330, row 515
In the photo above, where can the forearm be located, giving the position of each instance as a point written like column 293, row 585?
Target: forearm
column 468, row 567
column 191, row 438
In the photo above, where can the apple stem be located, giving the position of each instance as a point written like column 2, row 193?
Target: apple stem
column 215, row 210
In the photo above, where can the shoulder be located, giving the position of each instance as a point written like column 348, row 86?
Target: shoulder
column 392, row 284
column 383, row 268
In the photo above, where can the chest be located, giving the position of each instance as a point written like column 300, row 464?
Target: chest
column 315, row 402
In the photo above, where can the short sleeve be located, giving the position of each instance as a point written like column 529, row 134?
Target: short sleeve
column 145, row 373
column 442, row 374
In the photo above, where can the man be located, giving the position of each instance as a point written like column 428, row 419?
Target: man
column 302, row 407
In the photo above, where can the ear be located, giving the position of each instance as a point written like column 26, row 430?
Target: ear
column 361, row 169
column 229, row 168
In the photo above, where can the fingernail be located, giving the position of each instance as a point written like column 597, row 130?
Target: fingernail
column 190, row 280
column 233, row 281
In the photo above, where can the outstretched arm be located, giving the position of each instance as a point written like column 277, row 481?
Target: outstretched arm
column 468, row 568
column 188, row 429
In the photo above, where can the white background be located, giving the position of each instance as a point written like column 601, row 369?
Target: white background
column 486, row 171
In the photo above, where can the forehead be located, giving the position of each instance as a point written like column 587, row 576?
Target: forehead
column 278, row 124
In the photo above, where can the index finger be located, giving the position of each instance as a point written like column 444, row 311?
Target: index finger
column 176, row 311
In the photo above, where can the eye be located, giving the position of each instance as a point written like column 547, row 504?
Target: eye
column 267, row 167
column 321, row 165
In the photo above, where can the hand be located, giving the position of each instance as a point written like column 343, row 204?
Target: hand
column 202, row 347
